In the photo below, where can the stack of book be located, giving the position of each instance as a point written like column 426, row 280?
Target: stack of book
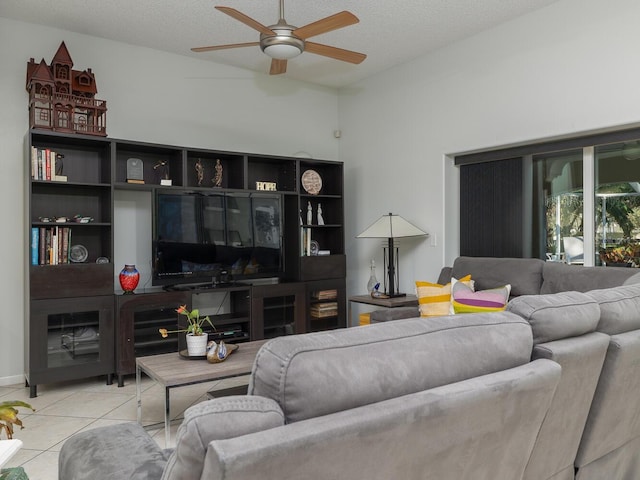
column 46, row 164
column 50, row 245
column 325, row 294
column 324, row 309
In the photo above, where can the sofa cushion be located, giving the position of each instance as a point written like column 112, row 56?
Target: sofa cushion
column 320, row 373
column 523, row 274
column 465, row 300
column 619, row 308
column 560, row 277
column 435, row 299
column 217, row 419
column 556, row 316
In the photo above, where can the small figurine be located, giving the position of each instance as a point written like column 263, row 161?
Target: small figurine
column 309, row 214
column 59, row 164
column 320, row 219
column 217, row 179
column 199, row 171
column 163, row 168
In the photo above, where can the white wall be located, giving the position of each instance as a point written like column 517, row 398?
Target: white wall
column 153, row 97
column 568, row 68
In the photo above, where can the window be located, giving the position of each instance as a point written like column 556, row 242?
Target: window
column 558, row 205
column 617, row 205
column 580, row 199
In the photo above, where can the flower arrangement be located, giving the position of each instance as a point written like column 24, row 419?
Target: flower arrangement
column 9, row 416
column 194, row 321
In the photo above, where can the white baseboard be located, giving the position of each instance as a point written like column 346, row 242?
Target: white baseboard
column 13, row 380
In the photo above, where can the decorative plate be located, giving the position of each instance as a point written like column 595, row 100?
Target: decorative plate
column 78, row 254
column 315, row 247
column 311, row 182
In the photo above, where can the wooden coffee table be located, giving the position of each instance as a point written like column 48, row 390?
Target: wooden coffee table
column 172, row 371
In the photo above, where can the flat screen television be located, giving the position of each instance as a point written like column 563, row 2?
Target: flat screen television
column 202, row 238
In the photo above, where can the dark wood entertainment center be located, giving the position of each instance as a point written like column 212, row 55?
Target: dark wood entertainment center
column 78, row 326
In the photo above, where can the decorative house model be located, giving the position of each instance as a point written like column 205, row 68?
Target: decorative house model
column 62, row 99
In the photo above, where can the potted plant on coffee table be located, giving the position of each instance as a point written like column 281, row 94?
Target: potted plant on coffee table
column 195, row 335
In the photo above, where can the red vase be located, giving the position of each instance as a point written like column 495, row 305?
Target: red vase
column 129, row 278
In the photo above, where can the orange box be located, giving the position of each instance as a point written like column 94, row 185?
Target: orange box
column 365, row 319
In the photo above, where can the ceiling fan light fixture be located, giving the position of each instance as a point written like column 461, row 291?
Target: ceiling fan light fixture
column 282, row 51
column 283, row 45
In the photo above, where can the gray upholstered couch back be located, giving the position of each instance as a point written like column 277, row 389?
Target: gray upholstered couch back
column 532, row 276
column 455, row 397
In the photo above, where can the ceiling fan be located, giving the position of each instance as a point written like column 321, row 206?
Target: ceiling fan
column 282, row 41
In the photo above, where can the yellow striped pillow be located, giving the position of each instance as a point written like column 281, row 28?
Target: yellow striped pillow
column 435, row 299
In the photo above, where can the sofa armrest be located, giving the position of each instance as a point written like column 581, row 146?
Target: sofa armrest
column 389, row 314
column 115, row 452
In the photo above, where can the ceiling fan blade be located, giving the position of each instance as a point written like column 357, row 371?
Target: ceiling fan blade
column 334, row 52
column 278, row 66
column 241, row 17
column 223, row 47
column 334, row 22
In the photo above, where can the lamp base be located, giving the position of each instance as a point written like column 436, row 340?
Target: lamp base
column 386, row 295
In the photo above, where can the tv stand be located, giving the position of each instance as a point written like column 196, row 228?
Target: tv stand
column 141, row 315
column 190, row 287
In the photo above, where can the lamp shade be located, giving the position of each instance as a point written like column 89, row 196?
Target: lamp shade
column 391, row 226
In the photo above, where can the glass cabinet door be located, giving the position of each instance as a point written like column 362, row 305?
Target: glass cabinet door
column 70, row 338
column 73, row 338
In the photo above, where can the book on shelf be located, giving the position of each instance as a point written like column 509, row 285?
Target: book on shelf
column 52, row 245
column 325, row 294
column 305, row 242
column 35, row 245
column 324, row 309
column 45, row 164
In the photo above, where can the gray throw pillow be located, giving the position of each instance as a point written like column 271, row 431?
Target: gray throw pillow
column 217, row 419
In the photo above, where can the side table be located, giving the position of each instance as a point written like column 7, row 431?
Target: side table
column 406, row 301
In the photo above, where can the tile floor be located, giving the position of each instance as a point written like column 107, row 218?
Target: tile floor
column 67, row 408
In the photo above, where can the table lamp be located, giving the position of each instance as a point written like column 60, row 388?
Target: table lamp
column 391, row 227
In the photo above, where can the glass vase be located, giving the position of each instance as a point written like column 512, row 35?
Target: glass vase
column 373, row 281
column 129, row 278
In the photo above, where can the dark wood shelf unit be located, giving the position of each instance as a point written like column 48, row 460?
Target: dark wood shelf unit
column 327, row 305
column 153, row 157
column 233, row 169
column 69, row 302
column 95, row 168
column 278, row 170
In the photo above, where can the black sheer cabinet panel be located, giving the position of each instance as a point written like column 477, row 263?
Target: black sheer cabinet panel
column 69, row 338
column 278, row 309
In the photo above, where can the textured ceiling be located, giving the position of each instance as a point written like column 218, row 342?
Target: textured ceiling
column 389, row 32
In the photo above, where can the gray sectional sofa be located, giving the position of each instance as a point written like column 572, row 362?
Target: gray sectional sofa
column 544, row 391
